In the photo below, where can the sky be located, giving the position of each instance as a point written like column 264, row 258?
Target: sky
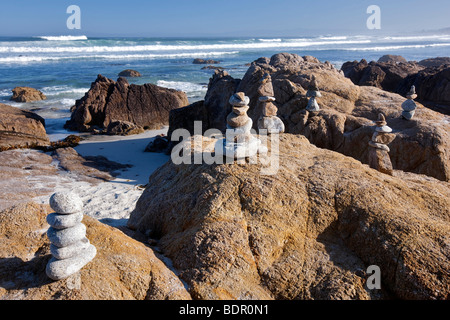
column 220, row 18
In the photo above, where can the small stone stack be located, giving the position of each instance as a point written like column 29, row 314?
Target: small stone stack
column 239, row 142
column 409, row 106
column 70, row 248
column 379, row 151
column 312, row 94
column 269, row 121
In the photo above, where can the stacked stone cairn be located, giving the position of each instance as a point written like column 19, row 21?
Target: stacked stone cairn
column 409, row 106
column 70, row 248
column 379, row 151
column 313, row 93
column 269, row 120
column 239, row 142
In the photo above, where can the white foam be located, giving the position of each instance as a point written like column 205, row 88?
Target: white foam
column 57, row 90
column 28, row 59
column 418, row 38
column 270, row 40
column 63, row 38
column 5, row 93
column 192, row 89
column 290, row 43
column 387, row 48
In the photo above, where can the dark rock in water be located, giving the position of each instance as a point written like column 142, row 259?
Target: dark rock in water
column 212, row 68
column 392, row 58
column 21, row 129
column 145, row 105
column 123, row 128
column 395, row 74
column 26, row 94
column 130, row 73
column 159, row 144
column 386, row 75
column 205, row 61
column 435, row 62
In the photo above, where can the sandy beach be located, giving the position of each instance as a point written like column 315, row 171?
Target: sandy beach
column 112, row 201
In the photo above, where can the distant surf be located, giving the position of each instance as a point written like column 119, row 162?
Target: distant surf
column 63, row 38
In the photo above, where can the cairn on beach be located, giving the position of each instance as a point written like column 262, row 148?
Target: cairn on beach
column 312, row 94
column 70, row 248
column 409, row 106
column 239, row 142
column 379, row 151
column 269, row 120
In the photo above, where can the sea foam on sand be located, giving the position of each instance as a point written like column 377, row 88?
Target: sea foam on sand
column 111, row 202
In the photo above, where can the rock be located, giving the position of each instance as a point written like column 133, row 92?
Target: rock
column 67, row 237
column 59, row 221
column 158, row 144
column 392, row 58
column 130, row 73
column 387, row 74
column 435, row 62
column 123, row 128
column 26, row 94
column 123, row 269
column 21, row 129
column 66, row 203
column 379, row 160
column 347, row 112
column 213, row 68
column 107, row 101
column 287, row 60
column 379, row 151
column 310, row 231
column 430, row 76
column 432, row 86
column 62, row 269
column 205, row 61
column 92, row 169
column 70, row 251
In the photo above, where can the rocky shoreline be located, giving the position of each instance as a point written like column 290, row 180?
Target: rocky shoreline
column 341, row 200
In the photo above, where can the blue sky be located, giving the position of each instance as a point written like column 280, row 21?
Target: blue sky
column 172, row 18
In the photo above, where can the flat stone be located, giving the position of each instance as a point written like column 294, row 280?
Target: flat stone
column 384, row 129
column 235, row 120
column 315, row 94
column 383, row 138
column 271, row 124
column 245, row 129
column 239, row 99
column 62, row 269
column 240, row 110
column 379, row 146
column 269, row 109
column 266, row 99
column 69, row 251
column 379, row 160
column 312, row 106
column 60, row 221
column 409, row 105
column 408, row 115
column 66, row 203
column 66, row 237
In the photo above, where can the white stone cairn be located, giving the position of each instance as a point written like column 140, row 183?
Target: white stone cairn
column 70, row 248
column 239, row 143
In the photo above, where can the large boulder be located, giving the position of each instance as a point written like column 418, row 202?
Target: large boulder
column 395, row 74
column 308, row 231
column 122, row 269
column 346, row 121
column 21, row 129
column 386, row 74
column 26, row 94
column 146, row 106
column 130, row 73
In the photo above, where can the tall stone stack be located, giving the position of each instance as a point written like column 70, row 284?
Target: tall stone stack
column 239, row 142
column 313, row 93
column 409, row 106
column 70, row 248
column 269, row 120
column 379, row 151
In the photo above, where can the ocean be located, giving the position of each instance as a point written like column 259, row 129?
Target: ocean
column 63, row 67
